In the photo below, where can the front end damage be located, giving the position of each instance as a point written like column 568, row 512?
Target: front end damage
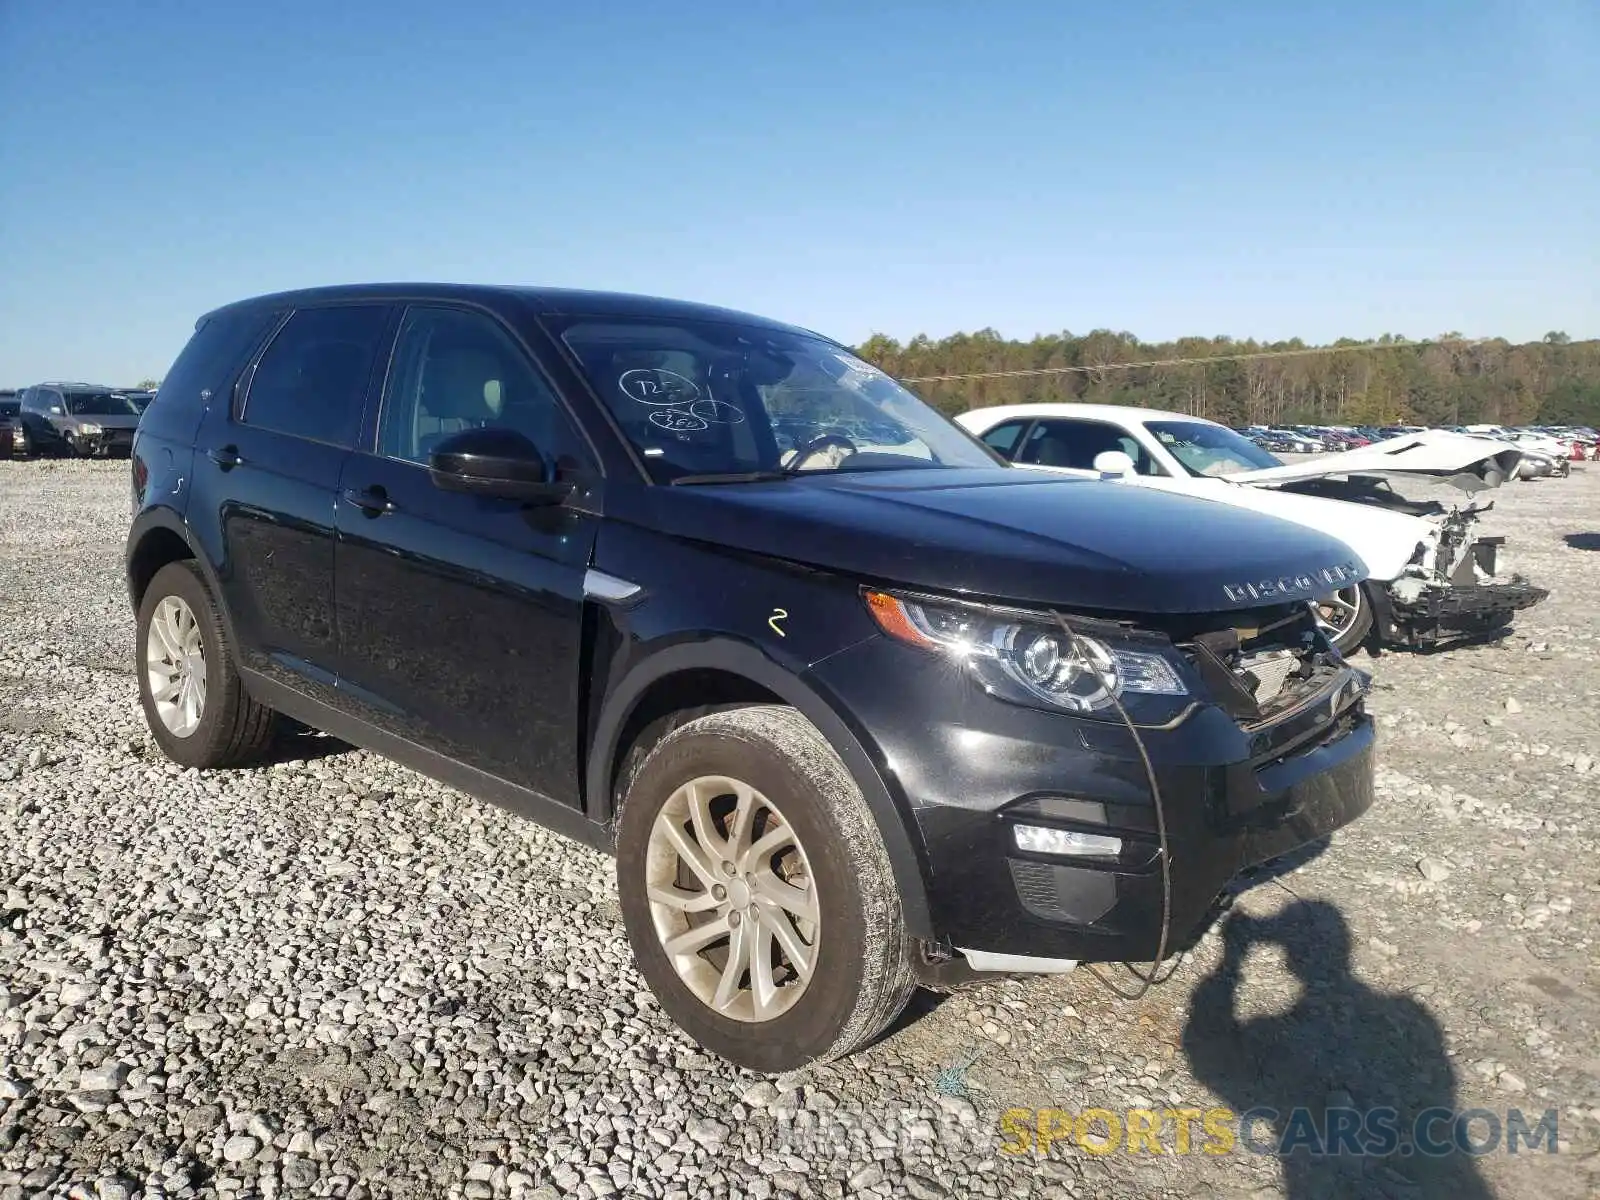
column 1454, row 587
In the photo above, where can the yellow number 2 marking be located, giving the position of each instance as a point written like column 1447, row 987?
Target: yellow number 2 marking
column 778, row 614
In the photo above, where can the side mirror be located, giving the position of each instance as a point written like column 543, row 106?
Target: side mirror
column 494, row 462
column 55, row 410
column 1113, row 462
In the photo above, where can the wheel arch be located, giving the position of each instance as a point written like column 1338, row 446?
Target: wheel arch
column 160, row 536
column 682, row 681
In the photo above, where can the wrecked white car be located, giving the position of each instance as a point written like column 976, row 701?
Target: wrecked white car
column 1432, row 579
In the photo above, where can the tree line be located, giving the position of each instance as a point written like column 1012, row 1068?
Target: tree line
column 1448, row 380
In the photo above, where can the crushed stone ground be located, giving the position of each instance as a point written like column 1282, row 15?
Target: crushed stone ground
column 329, row 976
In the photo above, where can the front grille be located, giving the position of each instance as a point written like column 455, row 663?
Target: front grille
column 1260, row 664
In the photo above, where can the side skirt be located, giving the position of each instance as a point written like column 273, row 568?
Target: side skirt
column 552, row 814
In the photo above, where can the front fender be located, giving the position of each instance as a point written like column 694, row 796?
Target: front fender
column 749, row 662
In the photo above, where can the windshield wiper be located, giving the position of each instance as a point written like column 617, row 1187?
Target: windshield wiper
column 733, row 477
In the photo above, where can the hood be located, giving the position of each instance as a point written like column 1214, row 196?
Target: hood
column 108, row 420
column 1470, row 463
column 1384, row 539
column 1010, row 534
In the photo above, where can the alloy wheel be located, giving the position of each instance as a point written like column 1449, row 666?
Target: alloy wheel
column 175, row 666
column 1339, row 612
column 732, row 899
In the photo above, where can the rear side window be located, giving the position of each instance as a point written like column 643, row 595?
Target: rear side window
column 206, row 363
column 311, row 380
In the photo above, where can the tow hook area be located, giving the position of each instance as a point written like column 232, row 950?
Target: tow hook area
column 940, row 969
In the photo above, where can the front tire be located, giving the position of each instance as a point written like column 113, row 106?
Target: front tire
column 757, row 894
column 194, row 700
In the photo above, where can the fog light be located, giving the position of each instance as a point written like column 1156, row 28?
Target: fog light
column 1040, row 839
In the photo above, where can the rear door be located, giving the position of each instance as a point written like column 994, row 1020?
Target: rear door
column 266, row 479
column 200, row 378
column 460, row 616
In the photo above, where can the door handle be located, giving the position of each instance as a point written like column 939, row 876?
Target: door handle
column 373, row 500
column 226, row 456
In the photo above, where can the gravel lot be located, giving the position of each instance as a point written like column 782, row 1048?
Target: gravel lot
column 329, row 976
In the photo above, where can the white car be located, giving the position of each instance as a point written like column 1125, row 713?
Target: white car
column 1541, row 455
column 1559, row 452
column 1429, row 578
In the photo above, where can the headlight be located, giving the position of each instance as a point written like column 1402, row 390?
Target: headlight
column 88, row 430
column 1026, row 660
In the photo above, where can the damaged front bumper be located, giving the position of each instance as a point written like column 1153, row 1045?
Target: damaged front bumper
column 1422, row 613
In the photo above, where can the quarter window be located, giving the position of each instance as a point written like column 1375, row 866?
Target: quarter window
column 211, row 354
column 454, row 370
column 1003, row 437
column 311, row 380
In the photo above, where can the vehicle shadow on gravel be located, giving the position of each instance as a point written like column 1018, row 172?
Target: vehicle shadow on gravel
column 1276, row 868
column 303, row 745
column 1342, row 1046
column 1582, row 541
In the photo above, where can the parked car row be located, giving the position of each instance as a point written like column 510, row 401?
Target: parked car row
column 1545, row 447
column 72, row 419
column 1319, row 439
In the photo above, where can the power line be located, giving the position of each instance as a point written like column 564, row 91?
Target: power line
column 1185, row 362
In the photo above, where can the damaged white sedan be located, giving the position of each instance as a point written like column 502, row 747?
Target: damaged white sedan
column 1431, row 580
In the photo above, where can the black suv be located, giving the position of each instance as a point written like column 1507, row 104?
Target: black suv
column 852, row 709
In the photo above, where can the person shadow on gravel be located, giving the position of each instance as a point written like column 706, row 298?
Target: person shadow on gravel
column 1342, row 1046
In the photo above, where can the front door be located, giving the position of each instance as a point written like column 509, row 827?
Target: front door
column 266, row 479
column 460, row 616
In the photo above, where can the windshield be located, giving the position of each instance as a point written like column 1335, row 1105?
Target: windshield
column 100, row 404
column 10, row 408
column 1206, row 449
column 707, row 398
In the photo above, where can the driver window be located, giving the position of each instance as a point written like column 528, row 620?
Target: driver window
column 454, row 370
column 1076, row 444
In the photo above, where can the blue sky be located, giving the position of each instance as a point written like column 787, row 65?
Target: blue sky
column 1245, row 167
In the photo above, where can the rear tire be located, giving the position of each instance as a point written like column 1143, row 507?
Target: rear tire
column 227, row 727
column 840, row 978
